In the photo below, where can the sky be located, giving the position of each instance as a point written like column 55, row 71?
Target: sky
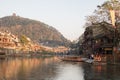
column 67, row 16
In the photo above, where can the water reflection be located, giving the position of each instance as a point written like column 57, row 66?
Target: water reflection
column 102, row 72
column 70, row 71
column 25, row 68
column 51, row 68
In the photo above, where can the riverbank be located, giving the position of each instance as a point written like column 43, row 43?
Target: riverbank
column 30, row 54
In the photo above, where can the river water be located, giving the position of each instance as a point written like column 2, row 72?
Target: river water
column 51, row 68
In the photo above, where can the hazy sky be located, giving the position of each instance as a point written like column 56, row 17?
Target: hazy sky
column 67, row 16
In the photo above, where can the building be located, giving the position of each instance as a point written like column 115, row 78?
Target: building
column 102, row 39
column 8, row 40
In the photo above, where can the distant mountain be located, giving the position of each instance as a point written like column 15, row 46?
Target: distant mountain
column 36, row 30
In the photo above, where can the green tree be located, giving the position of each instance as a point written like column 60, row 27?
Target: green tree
column 24, row 39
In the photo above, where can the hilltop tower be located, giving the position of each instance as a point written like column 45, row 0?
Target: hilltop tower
column 14, row 14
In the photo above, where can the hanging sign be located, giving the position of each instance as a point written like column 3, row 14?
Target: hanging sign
column 112, row 14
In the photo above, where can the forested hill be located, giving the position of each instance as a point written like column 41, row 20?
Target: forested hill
column 36, row 30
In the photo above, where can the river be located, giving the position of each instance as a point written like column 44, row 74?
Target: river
column 51, row 68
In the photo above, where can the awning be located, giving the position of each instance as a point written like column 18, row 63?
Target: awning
column 108, row 49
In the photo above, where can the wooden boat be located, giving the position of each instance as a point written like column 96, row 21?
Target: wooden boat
column 72, row 58
column 2, row 54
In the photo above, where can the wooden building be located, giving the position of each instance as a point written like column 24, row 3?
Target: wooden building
column 101, row 39
column 8, row 40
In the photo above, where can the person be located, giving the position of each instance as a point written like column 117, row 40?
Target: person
column 92, row 56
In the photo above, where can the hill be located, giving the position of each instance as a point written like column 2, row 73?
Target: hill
column 36, row 30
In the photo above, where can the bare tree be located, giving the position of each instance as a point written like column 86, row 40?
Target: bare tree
column 102, row 13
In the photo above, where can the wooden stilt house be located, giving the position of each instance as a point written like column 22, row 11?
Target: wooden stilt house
column 100, row 39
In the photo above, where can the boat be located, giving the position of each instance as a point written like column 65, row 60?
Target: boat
column 95, row 61
column 89, row 60
column 2, row 54
column 73, row 58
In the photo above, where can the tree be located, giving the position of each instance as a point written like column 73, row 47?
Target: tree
column 24, row 39
column 102, row 13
